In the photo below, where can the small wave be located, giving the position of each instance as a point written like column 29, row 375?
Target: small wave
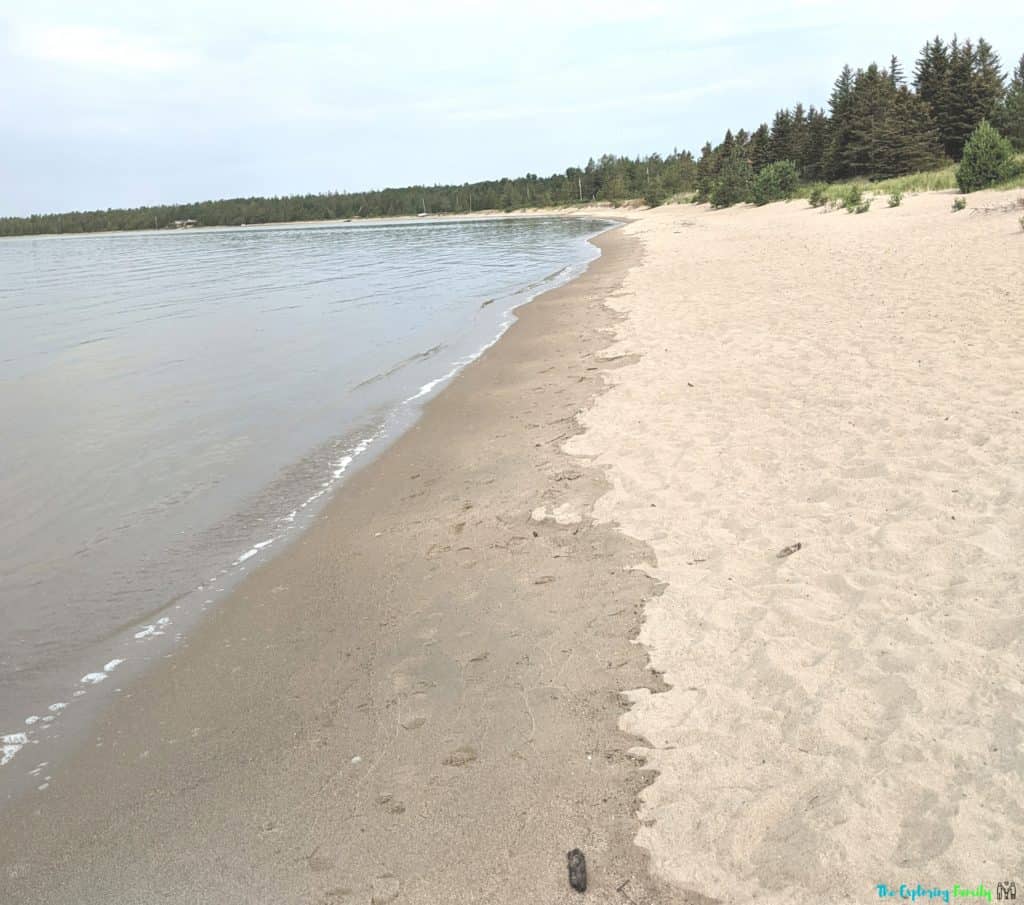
column 394, row 369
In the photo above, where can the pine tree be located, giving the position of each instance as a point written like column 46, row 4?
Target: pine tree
column 735, row 178
column 1009, row 116
column 707, row 170
column 974, row 92
column 891, row 131
column 782, row 136
column 760, row 148
column 989, row 81
column 812, row 162
column 839, row 128
column 987, row 159
column 798, row 134
column 931, row 81
column 896, row 72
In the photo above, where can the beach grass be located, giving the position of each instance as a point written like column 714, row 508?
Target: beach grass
column 941, row 180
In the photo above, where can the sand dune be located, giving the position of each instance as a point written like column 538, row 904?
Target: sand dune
column 850, row 714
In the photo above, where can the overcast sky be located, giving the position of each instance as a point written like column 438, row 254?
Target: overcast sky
column 110, row 104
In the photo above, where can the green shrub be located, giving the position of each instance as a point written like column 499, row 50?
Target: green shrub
column 988, row 159
column 733, row 182
column 776, row 182
column 895, row 199
column 863, row 207
column 818, row 196
column 851, row 197
column 959, row 204
column 655, row 194
column 1021, row 221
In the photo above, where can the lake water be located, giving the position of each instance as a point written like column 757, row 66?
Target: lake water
column 175, row 406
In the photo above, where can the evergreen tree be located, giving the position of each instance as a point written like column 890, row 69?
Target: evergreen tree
column 760, row 148
column 890, row 130
column 839, row 104
column 780, row 147
column 961, row 113
column 776, row 182
column 735, row 176
column 987, row 159
column 798, row 134
column 1009, row 116
column 812, row 161
column 988, row 79
column 931, row 81
column 896, row 72
column 707, row 170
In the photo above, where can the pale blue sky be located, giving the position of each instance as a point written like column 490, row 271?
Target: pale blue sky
column 121, row 104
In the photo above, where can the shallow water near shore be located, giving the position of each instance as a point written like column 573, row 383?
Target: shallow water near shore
column 176, row 405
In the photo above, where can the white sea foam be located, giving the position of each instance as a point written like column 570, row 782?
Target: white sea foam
column 112, row 665
column 253, row 550
column 93, row 678
column 11, row 745
column 31, row 720
column 60, row 705
column 150, row 631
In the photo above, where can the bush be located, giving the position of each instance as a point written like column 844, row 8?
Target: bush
column 895, row 199
column 851, row 197
column 818, row 197
column 1021, row 221
column 988, row 159
column 776, row 182
column 863, row 207
column 732, row 185
column 655, row 194
column 959, row 204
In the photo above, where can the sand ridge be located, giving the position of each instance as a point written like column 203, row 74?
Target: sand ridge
column 850, row 714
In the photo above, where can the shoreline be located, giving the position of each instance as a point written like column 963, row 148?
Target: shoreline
column 47, row 731
column 409, row 666
column 597, row 209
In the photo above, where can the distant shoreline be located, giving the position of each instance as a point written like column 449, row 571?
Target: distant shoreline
column 592, row 208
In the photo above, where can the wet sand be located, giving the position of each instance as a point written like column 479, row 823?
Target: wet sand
column 418, row 699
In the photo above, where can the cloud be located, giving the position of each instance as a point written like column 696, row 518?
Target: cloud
column 99, row 48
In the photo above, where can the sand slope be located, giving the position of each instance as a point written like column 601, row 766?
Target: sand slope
column 851, row 714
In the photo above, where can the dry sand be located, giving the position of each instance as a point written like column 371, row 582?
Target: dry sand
column 851, row 714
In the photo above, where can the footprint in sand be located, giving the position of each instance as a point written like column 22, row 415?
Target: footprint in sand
column 461, row 756
column 412, row 721
column 390, row 804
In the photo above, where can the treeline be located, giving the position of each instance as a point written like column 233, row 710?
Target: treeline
column 877, row 125
column 608, row 179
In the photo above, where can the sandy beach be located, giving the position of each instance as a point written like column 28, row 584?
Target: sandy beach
column 557, row 613
column 848, row 715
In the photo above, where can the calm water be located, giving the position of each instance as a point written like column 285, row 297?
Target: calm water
column 172, row 405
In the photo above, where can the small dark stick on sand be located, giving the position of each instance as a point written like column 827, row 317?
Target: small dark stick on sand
column 577, row 870
column 788, row 551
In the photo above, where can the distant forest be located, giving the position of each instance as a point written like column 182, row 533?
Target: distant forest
column 876, row 126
